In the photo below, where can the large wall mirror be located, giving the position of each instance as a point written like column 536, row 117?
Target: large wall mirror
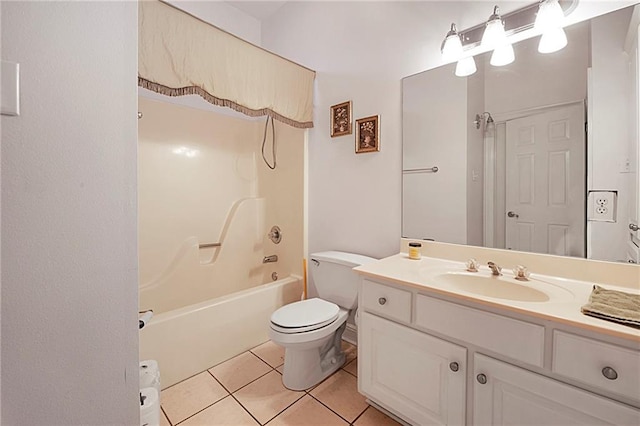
column 540, row 155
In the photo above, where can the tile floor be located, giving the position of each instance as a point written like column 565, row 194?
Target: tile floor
column 248, row 390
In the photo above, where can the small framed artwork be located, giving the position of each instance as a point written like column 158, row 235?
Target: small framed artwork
column 368, row 134
column 341, row 119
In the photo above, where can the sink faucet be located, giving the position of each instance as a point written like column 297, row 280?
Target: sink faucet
column 270, row 259
column 495, row 269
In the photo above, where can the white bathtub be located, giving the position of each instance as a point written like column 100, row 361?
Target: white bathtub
column 194, row 338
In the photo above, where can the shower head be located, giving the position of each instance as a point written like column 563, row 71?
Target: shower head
column 480, row 119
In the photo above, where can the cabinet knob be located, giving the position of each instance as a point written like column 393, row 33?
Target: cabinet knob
column 609, row 373
column 633, row 227
column 482, row 379
column 454, row 366
column 382, row 300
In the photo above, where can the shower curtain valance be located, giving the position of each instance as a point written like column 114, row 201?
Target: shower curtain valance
column 179, row 54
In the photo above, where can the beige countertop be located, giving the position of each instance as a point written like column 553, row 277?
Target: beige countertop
column 566, row 296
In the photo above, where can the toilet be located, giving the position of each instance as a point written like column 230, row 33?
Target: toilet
column 311, row 330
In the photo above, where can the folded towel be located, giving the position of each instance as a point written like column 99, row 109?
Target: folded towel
column 612, row 305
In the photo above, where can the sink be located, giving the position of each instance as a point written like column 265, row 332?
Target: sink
column 492, row 286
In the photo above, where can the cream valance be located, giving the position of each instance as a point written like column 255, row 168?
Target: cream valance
column 179, row 54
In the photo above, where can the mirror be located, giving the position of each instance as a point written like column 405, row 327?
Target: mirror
column 540, row 155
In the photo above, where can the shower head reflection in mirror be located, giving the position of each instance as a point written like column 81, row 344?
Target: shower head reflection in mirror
column 540, row 106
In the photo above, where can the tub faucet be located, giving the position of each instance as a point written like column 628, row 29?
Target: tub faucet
column 270, row 259
column 495, row 269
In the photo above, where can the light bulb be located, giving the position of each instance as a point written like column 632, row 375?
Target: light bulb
column 465, row 67
column 494, row 34
column 452, row 49
column 452, row 46
column 549, row 21
column 552, row 40
column 550, row 15
column 502, row 55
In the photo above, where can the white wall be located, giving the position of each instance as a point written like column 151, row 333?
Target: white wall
column 553, row 78
column 360, row 51
column 69, row 289
column 475, row 158
column 435, row 204
column 610, row 134
column 224, row 16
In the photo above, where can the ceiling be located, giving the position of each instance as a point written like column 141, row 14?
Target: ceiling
column 260, row 10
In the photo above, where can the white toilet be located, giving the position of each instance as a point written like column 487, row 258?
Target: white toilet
column 311, row 330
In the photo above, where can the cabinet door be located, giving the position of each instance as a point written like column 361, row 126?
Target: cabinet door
column 508, row 395
column 411, row 373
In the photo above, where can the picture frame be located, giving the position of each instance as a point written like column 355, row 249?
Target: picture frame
column 341, row 119
column 368, row 134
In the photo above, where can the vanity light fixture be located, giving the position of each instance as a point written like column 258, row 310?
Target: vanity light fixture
column 494, row 37
column 451, row 46
column 546, row 17
column 549, row 21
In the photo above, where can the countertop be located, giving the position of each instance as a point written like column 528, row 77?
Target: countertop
column 567, row 296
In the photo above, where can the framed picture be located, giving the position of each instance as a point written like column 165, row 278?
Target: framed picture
column 341, row 119
column 368, row 134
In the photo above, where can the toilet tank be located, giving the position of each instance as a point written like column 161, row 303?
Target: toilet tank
column 334, row 278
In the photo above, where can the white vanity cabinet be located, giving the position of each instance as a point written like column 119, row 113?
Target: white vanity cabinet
column 416, row 375
column 429, row 360
column 505, row 394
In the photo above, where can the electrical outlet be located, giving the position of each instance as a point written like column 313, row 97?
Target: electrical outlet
column 602, row 206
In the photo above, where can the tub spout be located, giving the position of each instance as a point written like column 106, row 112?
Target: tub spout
column 270, row 259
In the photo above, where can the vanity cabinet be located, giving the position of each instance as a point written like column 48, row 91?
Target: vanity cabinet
column 434, row 361
column 505, row 394
column 412, row 373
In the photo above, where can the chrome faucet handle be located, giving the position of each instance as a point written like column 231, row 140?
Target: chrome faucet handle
column 472, row 265
column 495, row 269
column 521, row 273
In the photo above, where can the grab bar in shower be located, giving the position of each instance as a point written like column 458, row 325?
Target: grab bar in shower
column 209, row 245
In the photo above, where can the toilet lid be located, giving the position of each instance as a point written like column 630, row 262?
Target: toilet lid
column 305, row 313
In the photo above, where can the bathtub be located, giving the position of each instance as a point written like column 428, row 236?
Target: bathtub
column 193, row 338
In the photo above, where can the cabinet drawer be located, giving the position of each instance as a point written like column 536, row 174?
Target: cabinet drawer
column 585, row 360
column 388, row 301
column 513, row 338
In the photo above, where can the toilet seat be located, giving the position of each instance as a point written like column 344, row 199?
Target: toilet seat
column 303, row 316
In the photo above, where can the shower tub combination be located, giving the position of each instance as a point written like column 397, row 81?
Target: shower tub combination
column 206, row 204
column 212, row 301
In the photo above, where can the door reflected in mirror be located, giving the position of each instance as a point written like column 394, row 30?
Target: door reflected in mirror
column 519, row 148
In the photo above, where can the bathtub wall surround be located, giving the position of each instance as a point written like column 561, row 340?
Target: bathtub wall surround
column 618, row 274
column 202, row 182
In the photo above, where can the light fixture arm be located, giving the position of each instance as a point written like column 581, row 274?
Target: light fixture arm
column 452, row 32
column 495, row 15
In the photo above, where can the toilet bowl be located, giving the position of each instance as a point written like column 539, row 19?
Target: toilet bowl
column 311, row 330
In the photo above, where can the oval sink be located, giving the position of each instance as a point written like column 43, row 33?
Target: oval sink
column 492, row 286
